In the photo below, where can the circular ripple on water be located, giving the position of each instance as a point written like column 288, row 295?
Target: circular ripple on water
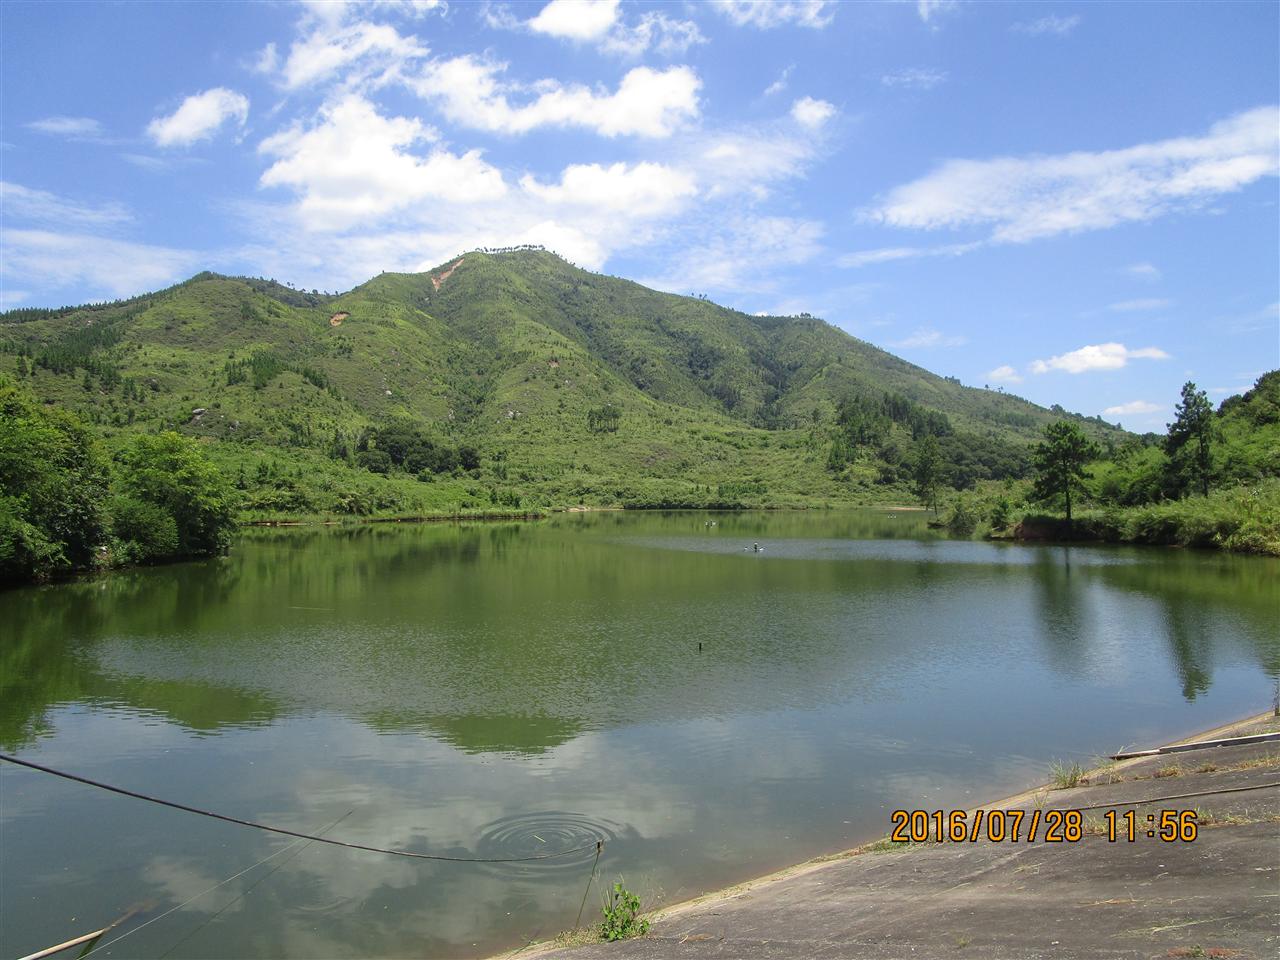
column 543, row 832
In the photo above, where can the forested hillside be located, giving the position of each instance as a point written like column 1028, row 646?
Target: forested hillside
column 510, row 381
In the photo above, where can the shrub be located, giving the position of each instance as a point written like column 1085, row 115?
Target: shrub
column 53, row 482
column 146, row 531
column 172, row 472
column 620, row 921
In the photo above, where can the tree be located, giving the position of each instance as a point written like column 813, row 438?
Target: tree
column 53, row 486
column 1189, row 439
column 927, row 472
column 172, row 472
column 1059, row 463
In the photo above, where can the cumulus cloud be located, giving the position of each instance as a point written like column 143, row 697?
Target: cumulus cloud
column 1026, row 198
column 1004, row 374
column 199, row 117
column 767, row 14
column 642, row 189
column 576, row 19
column 1102, row 356
column 914, row 78
column 1134, row 306
column 1131, row 408
column 927, row 338
column 811, row 113
column 353, row 52
column 600, row 23
column 648, row 103
column 1051, row 25
column 74, row 128
column 354, row 163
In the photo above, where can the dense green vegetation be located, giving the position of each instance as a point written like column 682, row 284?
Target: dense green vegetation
column 64, row 506
column 1213, row 480
column 527, row 384
column 511, row 383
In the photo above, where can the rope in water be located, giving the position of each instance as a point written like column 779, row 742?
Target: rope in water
column 294, row 833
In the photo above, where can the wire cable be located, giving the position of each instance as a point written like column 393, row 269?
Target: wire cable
column 301, row 846
column 1178, row 796
column 291, row 833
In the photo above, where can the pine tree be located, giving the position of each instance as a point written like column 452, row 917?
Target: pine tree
column 1059, row 463
column 1189, row 441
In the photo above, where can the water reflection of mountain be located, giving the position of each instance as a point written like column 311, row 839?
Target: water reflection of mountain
column 514, row 638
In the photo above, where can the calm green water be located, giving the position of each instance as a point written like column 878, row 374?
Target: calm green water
column 503, row 690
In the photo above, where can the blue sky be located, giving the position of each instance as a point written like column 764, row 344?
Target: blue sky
column 1072, row 202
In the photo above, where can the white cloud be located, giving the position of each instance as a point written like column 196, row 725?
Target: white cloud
column 24, row 203
column 741, row 254
column 1052, row 24
column 862, row 258
column 354, row 163
column 766, row 14
column 75, row 128
column 749, row 161
column 1102, row 356
column 199, row 117
column 1144, row 271
column 355, row 52
column 1027, row 198
column 644, row 189
column 576, row 19
column 654, row 30
column 1131, row 408
column 927, row 338
column 601, row 24
column 12, row 298
column 1134, row 306
column 811, row 113
column 107, row 267
column 1004, row 374
column 647, row 103
column 268, row 60
column 914, row 78
column 928, row 9
column 781, row 83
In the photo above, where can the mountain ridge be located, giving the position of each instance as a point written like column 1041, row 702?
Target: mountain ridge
column 563, row 379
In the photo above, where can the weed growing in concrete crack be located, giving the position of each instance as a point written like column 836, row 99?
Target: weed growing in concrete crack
column 1063, row 775
column 620, row 921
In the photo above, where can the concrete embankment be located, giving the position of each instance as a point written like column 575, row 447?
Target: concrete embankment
column 1215, row 896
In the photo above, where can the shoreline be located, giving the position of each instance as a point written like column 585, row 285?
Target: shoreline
column 824, row 861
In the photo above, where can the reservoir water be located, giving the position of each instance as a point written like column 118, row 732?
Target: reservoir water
column 511, row 689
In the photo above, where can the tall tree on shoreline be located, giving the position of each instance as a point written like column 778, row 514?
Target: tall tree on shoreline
column 1059, row 463
column 927, row 472
column 1189, row 442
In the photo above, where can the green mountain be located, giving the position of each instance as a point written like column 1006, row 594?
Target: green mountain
column 509, row 380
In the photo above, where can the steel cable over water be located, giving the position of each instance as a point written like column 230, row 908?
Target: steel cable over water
column 592, row 845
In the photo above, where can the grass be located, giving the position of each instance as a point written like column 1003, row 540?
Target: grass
column 1064, row 776
column 578, row 938
column 886, row 845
